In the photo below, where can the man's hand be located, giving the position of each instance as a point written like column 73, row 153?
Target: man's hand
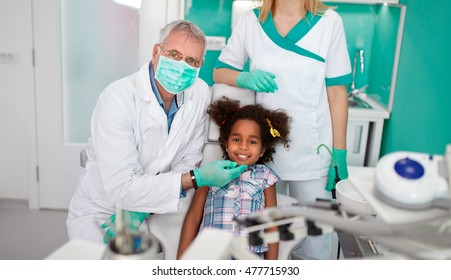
column 132, row 219
column 218, row 173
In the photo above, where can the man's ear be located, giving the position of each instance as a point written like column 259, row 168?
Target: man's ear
column 154, row 52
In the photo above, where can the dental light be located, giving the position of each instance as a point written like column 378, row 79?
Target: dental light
column 136, row 4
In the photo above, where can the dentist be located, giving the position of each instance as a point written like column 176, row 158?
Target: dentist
column 147, row 135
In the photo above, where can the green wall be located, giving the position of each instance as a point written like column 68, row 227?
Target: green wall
column 215, row 19
column 359, row 21
column 386, row 26
column 421, row 116
column 374, row 29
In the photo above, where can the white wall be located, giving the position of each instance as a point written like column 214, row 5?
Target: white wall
column 18, row 140
column 153, row 16
column 16, row 101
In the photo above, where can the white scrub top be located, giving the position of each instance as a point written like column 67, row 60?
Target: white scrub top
column 132, row 159
column 311, row 57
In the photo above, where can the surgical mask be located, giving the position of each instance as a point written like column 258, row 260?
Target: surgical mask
column 175, row 76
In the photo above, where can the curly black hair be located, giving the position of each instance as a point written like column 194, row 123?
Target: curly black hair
column 225, row 112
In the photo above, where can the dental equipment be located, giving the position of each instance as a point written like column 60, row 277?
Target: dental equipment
column 128, row 245
column 406, row 227
column 413, row 180
column 334, row 164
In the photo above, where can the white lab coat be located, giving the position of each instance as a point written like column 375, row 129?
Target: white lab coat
column 133, row 161
column 311, row 55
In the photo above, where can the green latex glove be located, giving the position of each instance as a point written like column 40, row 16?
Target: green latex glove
column 132, row 219
column 218, row 173
column 340, row 159
column 257, row 80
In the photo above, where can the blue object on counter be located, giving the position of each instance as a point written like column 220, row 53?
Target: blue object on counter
column 409, row 168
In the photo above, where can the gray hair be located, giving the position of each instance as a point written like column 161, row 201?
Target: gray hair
column 192, row 31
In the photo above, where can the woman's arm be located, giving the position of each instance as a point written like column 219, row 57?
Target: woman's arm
column 225, row 76
column 192, row 221
column 338, row 105
column 271, row 201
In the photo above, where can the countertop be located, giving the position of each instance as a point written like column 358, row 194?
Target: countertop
column 375, row 112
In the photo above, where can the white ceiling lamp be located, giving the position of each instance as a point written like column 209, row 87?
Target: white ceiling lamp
column 136, row 4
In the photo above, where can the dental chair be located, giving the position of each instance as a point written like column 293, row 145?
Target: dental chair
column 167, row 227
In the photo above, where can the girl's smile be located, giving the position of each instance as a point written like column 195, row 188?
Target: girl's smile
column 244, row 145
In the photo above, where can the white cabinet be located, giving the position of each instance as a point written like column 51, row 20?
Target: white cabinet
column 356, row 142
column 364, row 135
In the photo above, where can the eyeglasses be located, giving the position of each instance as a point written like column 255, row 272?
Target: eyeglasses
column 175, row 55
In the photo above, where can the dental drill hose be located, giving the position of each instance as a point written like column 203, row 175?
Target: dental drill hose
column 334, row 164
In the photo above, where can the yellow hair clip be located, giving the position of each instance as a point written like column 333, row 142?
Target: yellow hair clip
column 272, row 130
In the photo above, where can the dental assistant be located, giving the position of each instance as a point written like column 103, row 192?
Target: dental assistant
column 147, row 135
column 298, row 62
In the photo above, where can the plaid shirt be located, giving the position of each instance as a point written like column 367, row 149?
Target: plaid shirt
column 240, row 197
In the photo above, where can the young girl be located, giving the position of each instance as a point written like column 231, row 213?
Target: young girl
column 248, row 136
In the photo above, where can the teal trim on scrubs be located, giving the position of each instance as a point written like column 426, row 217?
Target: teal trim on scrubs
column 289, row 42
column 339, row 81
column 302, row 27
column 220, row 64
